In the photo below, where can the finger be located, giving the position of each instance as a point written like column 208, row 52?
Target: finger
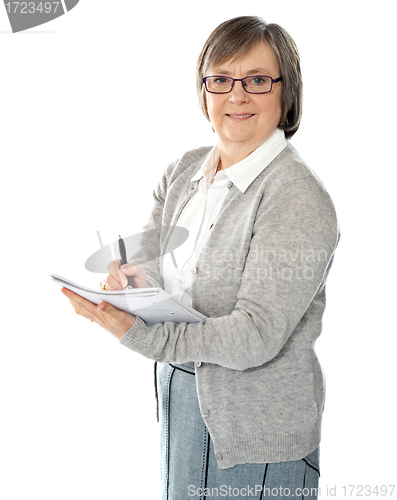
column 105, row 315
column 137, row 273
column 114, row 283
column 113, row 267
column 81, row 312
column 106, row 287
column 123, row 279
column 130, row 269
column 88, row 309
column 106, row 309
column 116, row 280
column 115, row 321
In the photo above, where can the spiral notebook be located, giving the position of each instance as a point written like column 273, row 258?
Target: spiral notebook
column 153, row 305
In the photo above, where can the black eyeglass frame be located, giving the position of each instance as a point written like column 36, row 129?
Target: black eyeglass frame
column 273, row 80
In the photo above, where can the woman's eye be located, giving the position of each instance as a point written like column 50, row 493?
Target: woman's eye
column 258, row 80
column 220, row 80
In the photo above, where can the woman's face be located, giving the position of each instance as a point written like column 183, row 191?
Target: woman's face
column 241, row 119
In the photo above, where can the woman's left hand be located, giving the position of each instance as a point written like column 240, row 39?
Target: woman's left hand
column 107, row 316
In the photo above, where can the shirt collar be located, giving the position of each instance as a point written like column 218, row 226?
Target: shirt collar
column 210, row 163
column 243, row 173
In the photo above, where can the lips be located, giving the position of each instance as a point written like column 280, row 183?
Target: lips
column 239, row 115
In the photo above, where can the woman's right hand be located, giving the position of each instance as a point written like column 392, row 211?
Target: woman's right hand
column 117, row 279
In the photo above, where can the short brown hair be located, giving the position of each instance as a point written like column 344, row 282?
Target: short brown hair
column 234, row 39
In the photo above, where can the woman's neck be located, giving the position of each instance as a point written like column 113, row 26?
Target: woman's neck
column 234, row 154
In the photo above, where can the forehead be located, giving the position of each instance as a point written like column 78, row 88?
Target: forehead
column 260, row 59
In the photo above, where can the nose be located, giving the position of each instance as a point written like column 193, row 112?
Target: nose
column 238, row 95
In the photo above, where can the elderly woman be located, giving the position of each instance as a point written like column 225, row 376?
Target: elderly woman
column 241, row 394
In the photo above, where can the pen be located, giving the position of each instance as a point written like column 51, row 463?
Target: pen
column 123, row 256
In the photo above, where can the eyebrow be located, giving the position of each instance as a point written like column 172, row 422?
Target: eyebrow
column 255, row 71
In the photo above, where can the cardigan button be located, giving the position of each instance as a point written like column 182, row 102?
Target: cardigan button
column 198, row 364
column 229, row 184
column 218, row 456
column 194, row 270
column 205, row 413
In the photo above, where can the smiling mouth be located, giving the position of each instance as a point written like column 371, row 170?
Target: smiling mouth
column 239, row 116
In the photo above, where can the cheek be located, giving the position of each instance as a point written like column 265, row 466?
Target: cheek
column 210, row 107
column 214, row 107
column 271, row 108
column 278, row 106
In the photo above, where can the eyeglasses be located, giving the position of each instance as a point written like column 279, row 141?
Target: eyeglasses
column 256, row 84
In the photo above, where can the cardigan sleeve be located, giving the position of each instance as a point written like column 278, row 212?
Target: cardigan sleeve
column 291, row 250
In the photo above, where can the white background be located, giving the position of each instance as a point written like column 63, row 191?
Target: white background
column 90, row 115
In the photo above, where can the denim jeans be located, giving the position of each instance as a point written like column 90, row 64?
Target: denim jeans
column 188, row 465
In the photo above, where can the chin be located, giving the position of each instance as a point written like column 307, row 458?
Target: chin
column 240, row 138
column 238, row 135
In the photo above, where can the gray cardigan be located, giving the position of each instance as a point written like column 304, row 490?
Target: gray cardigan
column 261, row 281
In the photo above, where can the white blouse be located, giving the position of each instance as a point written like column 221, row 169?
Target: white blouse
column 203, row 208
